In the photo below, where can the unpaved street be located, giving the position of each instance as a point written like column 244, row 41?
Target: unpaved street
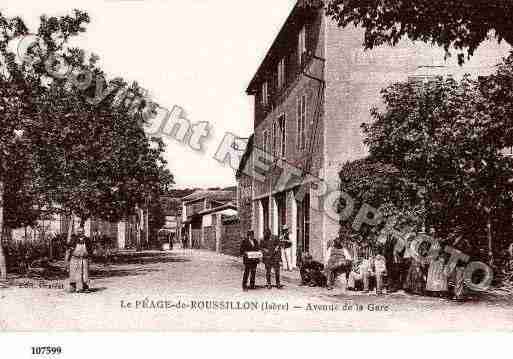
column 198, row 290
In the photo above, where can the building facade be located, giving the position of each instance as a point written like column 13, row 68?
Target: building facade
column 198, row 210
column 312, row 92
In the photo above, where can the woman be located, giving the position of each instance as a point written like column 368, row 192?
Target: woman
column 80, row 250
column 437, row 277
column 416, row 279
column 340, row 261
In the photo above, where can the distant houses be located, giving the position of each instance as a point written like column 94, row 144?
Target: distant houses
column 130, row 233
column 202, row 215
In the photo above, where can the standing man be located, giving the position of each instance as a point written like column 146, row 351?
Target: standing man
column 393, row 267
column 286, row 244
column 248, row 247
column 80, row 251
column 185, row 240
column 271, row 249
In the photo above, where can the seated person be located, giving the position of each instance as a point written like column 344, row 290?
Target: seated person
column 340, row 261
column 311, row 272
column 361, row 272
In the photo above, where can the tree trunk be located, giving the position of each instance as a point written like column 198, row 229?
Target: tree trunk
column 71, row 224
column 3, row 262
column 138, row 229
column 489, row 235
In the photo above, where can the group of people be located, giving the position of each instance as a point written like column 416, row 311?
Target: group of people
column 421, row 277
column 389, row 267
column 270, row 251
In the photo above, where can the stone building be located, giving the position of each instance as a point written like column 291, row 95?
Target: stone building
column 197, row 213
column 313, row 90
column 245, row 190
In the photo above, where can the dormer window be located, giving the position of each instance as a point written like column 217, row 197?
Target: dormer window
column 301, row 48
column 281, row 73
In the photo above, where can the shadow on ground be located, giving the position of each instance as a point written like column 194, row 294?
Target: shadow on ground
column 147, row 258
column 58, row 271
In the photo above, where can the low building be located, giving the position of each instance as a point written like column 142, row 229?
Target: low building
column 197, row 204
column 212, row 225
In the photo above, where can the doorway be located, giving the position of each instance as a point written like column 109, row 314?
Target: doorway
column 303, row 227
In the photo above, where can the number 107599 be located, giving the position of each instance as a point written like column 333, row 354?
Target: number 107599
column 46, row 350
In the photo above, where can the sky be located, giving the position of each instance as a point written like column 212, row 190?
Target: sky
column 196, row 54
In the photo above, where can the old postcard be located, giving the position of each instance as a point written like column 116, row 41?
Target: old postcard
column 318, row 166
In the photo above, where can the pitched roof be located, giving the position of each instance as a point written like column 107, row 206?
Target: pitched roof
column 218, row 195
column 301, row 8
column 225, row 206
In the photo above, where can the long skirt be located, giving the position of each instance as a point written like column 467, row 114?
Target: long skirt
column 437, row 279
column 415, row 282
column 79, row 272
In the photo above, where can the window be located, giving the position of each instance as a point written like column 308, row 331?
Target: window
column 282, row 124
column 281, row 73
column 265, row 141
column 301, row 122
column 275, row 139
column 265, row 93
column 301, row 48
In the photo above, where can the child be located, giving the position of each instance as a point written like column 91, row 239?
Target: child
column 380, row 270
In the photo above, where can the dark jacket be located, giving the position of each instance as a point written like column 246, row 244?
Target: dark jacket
column 271, row 248
column 75, row 239
column 312, row 265
column 246, row 246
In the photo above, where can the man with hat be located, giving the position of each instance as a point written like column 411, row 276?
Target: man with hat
column 286, row 245
column 249, row 246
column 271, row 248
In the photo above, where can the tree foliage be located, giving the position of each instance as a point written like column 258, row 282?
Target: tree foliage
column 449, row 137
column 57, row 146
column 384, row 187
column 458, row 24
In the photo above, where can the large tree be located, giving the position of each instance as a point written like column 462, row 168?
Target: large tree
column 458, row 24
column 18, row 89
column 91, row 158
column 450, row 136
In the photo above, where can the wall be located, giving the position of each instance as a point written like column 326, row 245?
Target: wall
column 354, row 79
column 311, row 157
column 231, row 239
column 245, row 207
